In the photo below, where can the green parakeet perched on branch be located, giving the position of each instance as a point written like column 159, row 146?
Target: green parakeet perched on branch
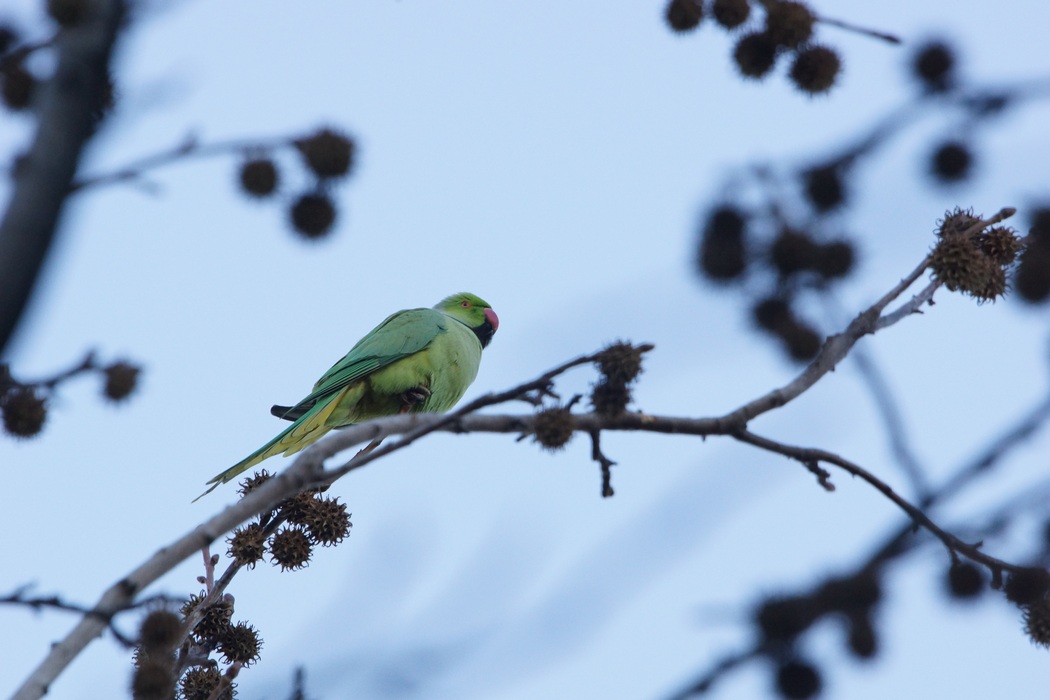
column 416, row 361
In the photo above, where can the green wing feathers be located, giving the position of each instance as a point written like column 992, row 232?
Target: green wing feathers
column 429, row 352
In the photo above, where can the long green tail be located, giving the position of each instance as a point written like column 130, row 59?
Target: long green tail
column 306, row 430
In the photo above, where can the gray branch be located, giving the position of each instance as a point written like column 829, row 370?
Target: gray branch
column 67, row 106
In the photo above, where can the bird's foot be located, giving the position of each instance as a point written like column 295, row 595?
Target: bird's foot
column 415, row 396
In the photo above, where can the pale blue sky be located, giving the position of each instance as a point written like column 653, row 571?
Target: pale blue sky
column 553, row 158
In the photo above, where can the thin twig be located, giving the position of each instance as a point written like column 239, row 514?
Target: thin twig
column 808, row 455
column 835, row 348
column 19, row 598
column 188, row 148
column 722, row 667
column 88, row 364
column 604, row 462
column 857, row 29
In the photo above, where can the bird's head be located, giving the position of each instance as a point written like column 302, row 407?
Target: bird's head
column 474, row 312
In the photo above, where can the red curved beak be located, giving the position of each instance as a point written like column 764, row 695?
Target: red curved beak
column 492, row 318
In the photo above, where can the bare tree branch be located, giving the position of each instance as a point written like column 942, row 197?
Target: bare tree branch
column 307, row 470
column 20, row 598
column 188, row 148
column 67, row 108
column 808, row 456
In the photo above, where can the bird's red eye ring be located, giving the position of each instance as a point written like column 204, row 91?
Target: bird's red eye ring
column 465, row 304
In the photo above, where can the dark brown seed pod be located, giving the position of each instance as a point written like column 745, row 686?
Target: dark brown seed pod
column 247, row 545
column 23, row 412
column 161, row 631
column 789, row 24
column 327, row 521
column 553, row 428
column 240, row 644
column 964, row 581
column 290, row 548
column 1037, row 623
column 327, row 153
column 731, row 13
column 816, row 69
column 934, row 66
column 755, row 55
column 684, row 15
column 951, row 162
column 259, row 177
column 798, row 680
column 722, row 256
column 121, row 380
column 313, row 215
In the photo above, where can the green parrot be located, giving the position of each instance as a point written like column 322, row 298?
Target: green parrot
column 416, row 361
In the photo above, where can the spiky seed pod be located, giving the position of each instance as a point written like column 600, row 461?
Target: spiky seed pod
column 993, row 282
column 772, row 313
column 815, row 69
column 755, row 55
column 67, row 13
column 964, row 581
column 1032, row 280
column 934, row 66
column 951, row 162
column 121, row 380
column 247, row 545
column 802, row 342
column 958, row 222
column 784, row 618
column 824, row 188
column 862, row 642
column 240, row 644
column 1001, row 244
column 553, row 428
column 290, row 548
column 793, row 252
column 298, row 508
column 956, row 262
column 152, row 680
column 313, row 215
column 610, row 398
column 254, row 481
column 23, row 411
column 259, row 177
column 620, row 363
column 789, row 24
column 1027, row 586
column 834, row 259
column 959, row 261
column 327, row 153
column 161, row 631
column 17, row 86
column 731, row 13
column 328, row 522
column 1037, row 623
column 684, row 15
column 798, row 680
column 200, row 682
column 214, row 623
column 190, row 604
column 723, row 248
